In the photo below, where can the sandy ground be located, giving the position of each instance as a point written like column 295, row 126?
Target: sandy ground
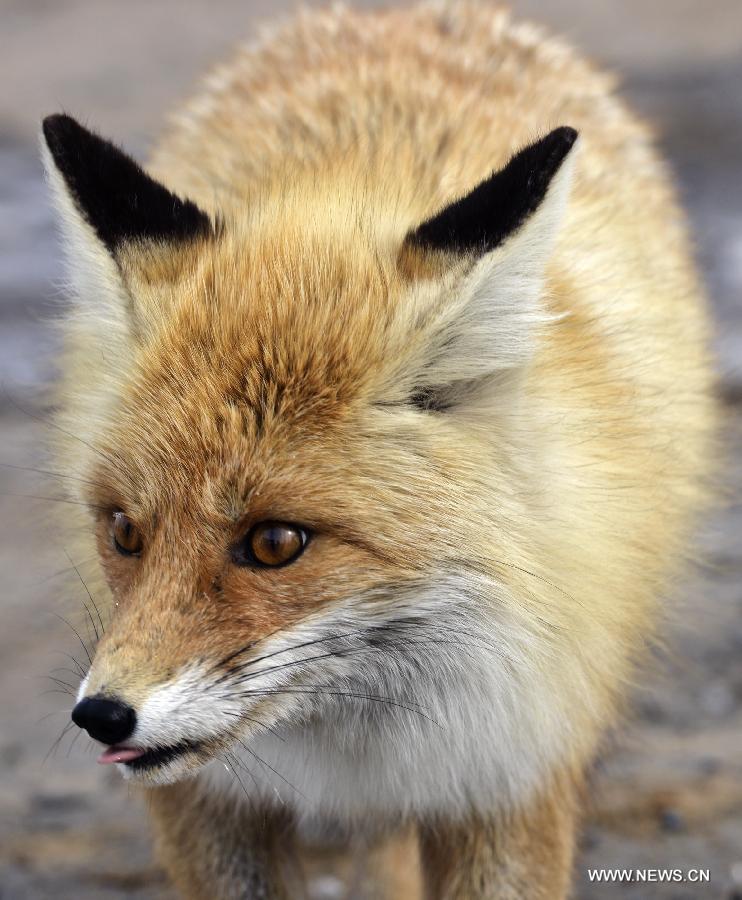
column 668, row 790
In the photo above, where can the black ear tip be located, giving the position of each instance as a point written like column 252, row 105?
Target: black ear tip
column 567, row 134
column 56, row 123
column 58, row 129
column 547, row 155
column 562, row 139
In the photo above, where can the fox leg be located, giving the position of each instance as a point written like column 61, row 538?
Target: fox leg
column 525, row 855
column 213, row 849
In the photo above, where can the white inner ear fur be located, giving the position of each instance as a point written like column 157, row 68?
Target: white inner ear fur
column 102, row 302
column 492, row 317
column 98, row 331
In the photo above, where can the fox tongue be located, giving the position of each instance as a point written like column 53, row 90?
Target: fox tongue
column 119, row 755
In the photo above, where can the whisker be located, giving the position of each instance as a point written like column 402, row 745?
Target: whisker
column 235, row 775
column 58, row 681
column 54, row 712
column 500, row 562
column 73, row 742
column 65, row 669
column 352, row 633
column 349, row 651
column 244, row 766
column 50, row 752
column 82, row 671
column 346, row 694
column 358, row 632
column 269, row 766
column 53, row 500
column 87, row 590
column 336, row 654
column 7, row 465
column 259, row 724
column 245, row 649
column 95, row 607
column 76, row 633
column 60, row 572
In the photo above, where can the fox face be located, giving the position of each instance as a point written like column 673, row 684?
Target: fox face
column 292, row 422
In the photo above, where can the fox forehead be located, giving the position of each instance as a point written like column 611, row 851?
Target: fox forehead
column 265, row 345
column 290, row 309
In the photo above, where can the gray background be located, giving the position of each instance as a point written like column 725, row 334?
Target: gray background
column 668, row 789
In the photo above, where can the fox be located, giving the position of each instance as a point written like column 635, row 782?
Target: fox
column 387, row 397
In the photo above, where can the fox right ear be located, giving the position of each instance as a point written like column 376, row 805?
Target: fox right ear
column 110, row 209
column 112, row 193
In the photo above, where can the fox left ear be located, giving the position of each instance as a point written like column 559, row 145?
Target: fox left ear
column 498, row 238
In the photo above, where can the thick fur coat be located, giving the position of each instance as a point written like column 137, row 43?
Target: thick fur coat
column 499, row 452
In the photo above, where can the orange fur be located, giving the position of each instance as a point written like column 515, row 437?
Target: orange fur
column 263, row 374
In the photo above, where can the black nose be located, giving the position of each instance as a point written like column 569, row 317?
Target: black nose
column 108, row 721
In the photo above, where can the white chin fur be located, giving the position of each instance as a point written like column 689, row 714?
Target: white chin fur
column 478, row 726
column 175, row 770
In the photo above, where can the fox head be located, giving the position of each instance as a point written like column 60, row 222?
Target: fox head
column 292, row 421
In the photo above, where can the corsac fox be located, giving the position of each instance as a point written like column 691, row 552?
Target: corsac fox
column 387, row 394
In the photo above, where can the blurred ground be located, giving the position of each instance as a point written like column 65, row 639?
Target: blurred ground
column 668, row 791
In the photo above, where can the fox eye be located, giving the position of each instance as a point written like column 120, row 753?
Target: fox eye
column 270, row 545
column 126, row 536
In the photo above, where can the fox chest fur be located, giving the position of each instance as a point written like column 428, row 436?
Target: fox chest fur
column 410, row 291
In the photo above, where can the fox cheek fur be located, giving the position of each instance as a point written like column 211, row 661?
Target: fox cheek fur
column 456, row 362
